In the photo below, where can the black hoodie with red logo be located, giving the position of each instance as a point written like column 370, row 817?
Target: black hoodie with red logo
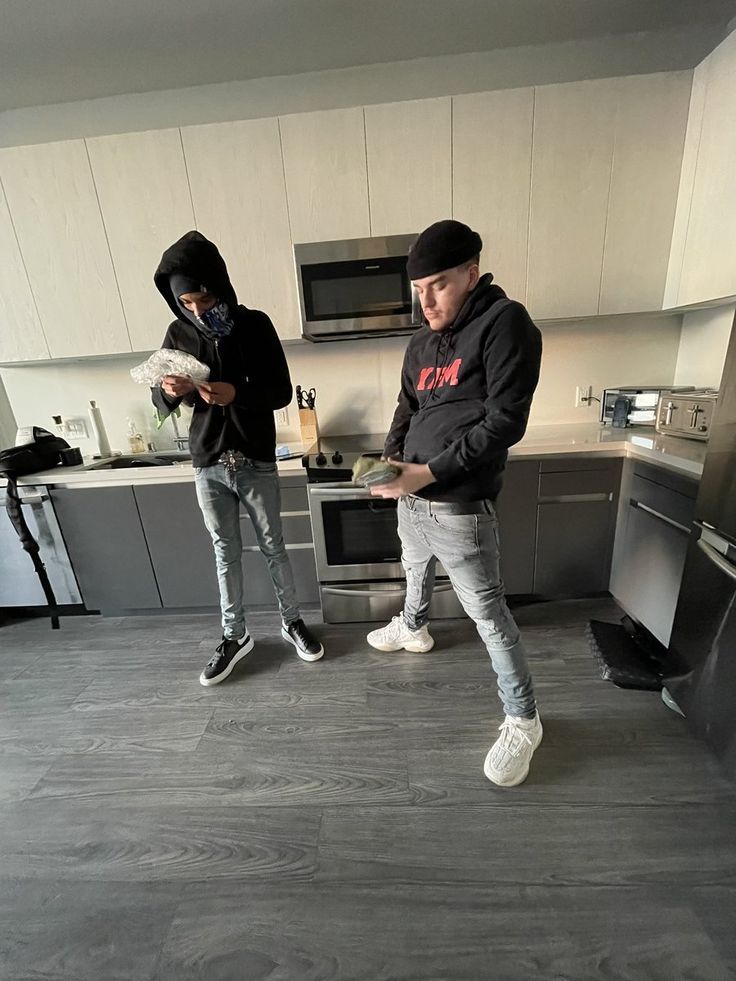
column 465, row 395
column 250, row 358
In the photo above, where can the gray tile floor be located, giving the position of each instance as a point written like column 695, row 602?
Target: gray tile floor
column 332, row 820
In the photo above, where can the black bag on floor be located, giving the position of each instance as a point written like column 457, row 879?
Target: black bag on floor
column 42, row 453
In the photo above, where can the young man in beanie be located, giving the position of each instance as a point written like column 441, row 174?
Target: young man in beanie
column 466, row 388
column 232, row 436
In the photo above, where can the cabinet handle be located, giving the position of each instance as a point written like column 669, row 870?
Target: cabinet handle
column 336, row 591
column 574, row 498
column 661, row 517
column 717, row 559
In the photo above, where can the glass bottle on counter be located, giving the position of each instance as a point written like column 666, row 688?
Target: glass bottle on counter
column 135, row 440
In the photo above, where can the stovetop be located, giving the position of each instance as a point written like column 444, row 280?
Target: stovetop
column 331, row 458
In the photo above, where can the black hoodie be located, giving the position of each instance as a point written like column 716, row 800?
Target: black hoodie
column 465, row 395
column 250, row 358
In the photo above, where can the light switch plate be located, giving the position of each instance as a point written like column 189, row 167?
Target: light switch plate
column 75, row 428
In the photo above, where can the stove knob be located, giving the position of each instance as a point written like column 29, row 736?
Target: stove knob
column 321, row 460
column 337, row 457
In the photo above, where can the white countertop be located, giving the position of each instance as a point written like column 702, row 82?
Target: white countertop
column 685, row 456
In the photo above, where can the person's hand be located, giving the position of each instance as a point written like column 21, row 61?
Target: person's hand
column 217, row 393
column 412, row 478
column 177, row 385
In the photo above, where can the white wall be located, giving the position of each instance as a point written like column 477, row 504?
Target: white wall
column 420, row 78
column 703, row 344
column 7, row 420
column 357, row 381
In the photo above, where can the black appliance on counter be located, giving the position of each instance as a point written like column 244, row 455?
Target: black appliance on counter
column 356, row 540
column 701, row 675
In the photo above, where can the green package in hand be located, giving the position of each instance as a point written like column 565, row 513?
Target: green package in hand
column 368, row 471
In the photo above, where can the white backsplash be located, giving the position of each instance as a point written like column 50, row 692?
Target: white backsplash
column 357, row 381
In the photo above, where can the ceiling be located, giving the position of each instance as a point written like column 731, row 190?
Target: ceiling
column 55, row 51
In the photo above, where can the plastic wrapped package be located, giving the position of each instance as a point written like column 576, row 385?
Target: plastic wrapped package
column 166, row 362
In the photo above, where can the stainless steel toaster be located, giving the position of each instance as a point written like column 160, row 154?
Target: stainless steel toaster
column 686, row 414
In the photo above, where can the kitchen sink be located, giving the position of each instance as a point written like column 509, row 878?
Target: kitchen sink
column 128, row 460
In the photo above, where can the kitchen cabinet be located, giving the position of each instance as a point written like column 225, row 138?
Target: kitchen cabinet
column 107, row 547
column 54, row 209
column 655, row 516
column 21, row 334
column 571, row 171
column 707, row 269
column 326, row 182
column 650, row 124
column 181, row 548
column 144, row 197
column 576, row 518
column 516, row 508
column 491, row 177
column 239, row 196
column 409, row 151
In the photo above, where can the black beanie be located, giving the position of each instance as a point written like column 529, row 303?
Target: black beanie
column 181, row 283
column 444, row 245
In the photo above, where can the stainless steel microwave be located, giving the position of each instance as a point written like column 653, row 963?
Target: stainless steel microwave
column 356, row 288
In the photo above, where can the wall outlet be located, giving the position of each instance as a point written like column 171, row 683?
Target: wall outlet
column 74, row 429
column 583, row 396
column 282, row 418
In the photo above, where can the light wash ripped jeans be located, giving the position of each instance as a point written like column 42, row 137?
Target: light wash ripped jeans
column 467, row 545
column 220, row 492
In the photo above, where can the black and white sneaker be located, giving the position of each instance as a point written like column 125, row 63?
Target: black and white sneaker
column 307, row 647
column 226, row 656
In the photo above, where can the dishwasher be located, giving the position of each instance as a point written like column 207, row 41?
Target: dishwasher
column 19, row 584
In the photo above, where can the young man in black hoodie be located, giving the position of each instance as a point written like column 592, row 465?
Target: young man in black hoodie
column 466, row 388
column 232, row 436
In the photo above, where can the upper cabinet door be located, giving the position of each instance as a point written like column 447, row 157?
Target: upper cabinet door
column 649, row 137
column 326, row 180
column 571, row 172
column 709, row 269
column 491, row 175
column 21, row 335
column 54, row 207
column 142, row 186
column 409, row 165
column 237, row 181
column 687, row 182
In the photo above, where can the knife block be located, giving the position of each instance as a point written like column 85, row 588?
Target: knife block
column 308, row 426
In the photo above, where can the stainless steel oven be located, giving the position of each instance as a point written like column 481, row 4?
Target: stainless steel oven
column 358, row 555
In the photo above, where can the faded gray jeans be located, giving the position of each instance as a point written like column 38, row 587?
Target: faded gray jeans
column 467, row 545
column 220, row 492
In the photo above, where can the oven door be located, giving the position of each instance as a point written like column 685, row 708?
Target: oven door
column 355, row 535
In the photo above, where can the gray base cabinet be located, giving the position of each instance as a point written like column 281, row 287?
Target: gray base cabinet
column 516, row 508
column 107, row 547
column 655, row 518
column 181, row 548
column 576, row 520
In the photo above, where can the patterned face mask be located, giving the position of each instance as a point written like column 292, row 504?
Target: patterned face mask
column 216, row 322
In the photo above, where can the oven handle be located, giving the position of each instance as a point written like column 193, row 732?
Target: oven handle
column 348, row 493
column 334, row 591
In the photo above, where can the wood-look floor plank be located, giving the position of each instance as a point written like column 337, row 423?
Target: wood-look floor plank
column 379, row 932
column 690, row 845
column 80, row 840
column 56, row 930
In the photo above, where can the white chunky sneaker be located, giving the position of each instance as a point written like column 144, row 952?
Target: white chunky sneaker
column 396, row 635
column 507, row 762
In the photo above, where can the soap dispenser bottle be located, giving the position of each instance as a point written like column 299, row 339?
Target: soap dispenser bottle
column 135, row 440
